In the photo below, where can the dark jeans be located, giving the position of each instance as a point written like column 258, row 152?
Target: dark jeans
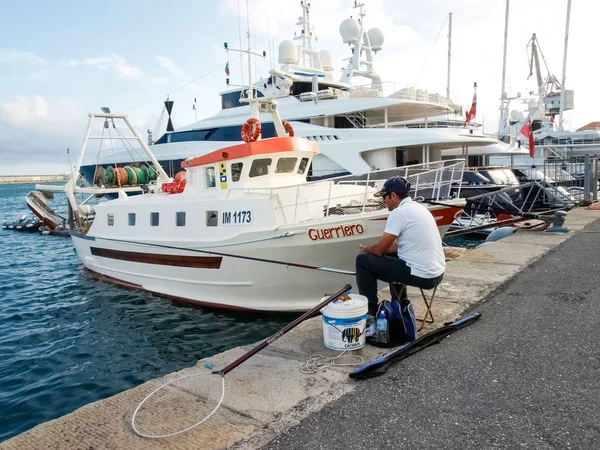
column 370, row 268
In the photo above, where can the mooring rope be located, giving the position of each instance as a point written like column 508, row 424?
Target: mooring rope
column 316, row 362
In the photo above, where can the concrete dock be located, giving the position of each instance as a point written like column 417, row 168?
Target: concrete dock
column 267, row 395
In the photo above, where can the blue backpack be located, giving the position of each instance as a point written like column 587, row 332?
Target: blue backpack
column 402, row 326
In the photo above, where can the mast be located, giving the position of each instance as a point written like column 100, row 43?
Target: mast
column 449, row 53
column 502, row 93
column 251, row 91
column 564, row 71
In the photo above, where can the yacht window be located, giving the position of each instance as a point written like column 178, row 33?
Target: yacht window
column 212, row 218
column 236, row 171
column 110, row 220
column 131, row 219
column 260, row 167
column 302, row 166
column 285, row 165
column 190, row 135
column 180, row 218
column 154, row 219
column 210, row 177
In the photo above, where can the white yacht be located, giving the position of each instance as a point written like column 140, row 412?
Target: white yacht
column 357, row 128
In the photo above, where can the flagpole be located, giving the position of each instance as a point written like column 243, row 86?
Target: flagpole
column 502, row 92
column 564, row 71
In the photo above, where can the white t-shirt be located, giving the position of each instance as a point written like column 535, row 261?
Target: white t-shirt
column 418, row 239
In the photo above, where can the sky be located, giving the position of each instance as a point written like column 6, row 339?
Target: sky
column 61, row 60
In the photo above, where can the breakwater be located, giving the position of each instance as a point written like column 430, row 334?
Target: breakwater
column 22, row 179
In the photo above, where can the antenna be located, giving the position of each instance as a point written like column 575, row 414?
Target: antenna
column 449, row 53
column 271, row 49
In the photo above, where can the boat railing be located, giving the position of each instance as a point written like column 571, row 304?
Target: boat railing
column 354, row 194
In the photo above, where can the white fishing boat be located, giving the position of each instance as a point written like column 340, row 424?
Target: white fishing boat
column 246, row 230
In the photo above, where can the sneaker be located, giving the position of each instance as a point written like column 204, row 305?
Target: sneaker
column 370, row 320
column 371, row 330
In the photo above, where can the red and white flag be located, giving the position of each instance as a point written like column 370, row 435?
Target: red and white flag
column 528, row 133
column 473, row 111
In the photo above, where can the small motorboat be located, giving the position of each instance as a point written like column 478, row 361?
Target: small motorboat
column 24, row 223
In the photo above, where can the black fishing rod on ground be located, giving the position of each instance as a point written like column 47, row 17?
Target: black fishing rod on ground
column 308, row 314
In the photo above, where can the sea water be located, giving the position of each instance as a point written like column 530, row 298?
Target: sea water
column 67, row 339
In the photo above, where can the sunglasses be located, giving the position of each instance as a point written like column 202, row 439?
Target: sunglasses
column 387, row 194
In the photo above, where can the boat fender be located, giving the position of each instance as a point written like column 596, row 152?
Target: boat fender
column 500, row 233
column 288, row 128
column 251, row 130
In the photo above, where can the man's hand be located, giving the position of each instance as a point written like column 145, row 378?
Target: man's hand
column 362, row 248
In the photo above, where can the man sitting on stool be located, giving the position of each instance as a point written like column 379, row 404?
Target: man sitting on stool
column 411, row 236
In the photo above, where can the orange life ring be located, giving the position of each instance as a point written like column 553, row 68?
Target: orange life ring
column 251, row 130
column 288, row 128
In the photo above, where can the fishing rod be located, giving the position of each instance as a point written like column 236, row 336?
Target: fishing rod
column 339, row 294
column 229, row 255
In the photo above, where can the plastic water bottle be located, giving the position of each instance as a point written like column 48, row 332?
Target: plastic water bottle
column 382, row 326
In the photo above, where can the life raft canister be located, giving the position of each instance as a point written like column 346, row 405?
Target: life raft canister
column 251, row 130
column 177, row 186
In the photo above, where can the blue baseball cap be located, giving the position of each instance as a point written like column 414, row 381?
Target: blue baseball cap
column 398, row 185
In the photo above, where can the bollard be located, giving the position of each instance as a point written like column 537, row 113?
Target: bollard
column 558, row 221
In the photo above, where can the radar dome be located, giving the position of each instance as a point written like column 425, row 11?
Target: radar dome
column 375, row 38
column 326, row 60
column 350, row 31
column 517, row 115
column 287, row 53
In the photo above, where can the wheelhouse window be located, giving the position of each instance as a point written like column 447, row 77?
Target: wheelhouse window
column 110, row 220
column 260, row 167
column 236, row 171
column 154, row 219
column 180, row 218
column 285, row 165
column 131, row 219
column 209, row 173
column 212, row 218
column 302, row 166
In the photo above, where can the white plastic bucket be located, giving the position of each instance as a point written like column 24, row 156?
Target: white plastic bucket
column 344, row 323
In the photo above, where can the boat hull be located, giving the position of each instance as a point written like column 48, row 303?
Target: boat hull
column 260, row 274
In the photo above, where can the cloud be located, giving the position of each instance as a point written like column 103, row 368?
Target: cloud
column 34, row 130
column 13, row 56
column 111, row 62
column 171, row 67
column 24, row 111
